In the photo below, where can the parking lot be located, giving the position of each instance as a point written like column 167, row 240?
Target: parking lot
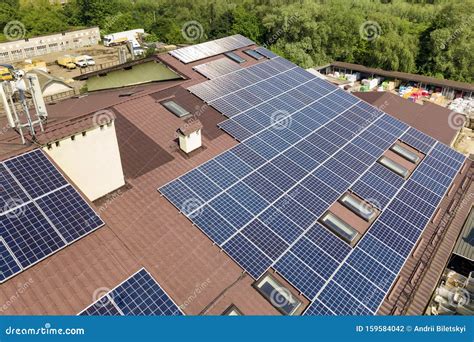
column 101, row 55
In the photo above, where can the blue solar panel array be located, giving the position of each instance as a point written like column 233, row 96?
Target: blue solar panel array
column 218, row 67
column 196, row 52
column 42, row 212
column 303, row 144
column 139, row 295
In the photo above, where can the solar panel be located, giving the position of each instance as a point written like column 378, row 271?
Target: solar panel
column 200, row 51
column 265, row 52
column 8, row 265
column 35, row 173
column 217, row 68
column 139, row 295
column 303, row 144
column 42, row 212
column 69, row 213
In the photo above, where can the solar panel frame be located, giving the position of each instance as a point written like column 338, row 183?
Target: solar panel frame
column 29, row 233
column 361, row 147
column 9, row 266
column 126, row 299
column 217, row 68
column 197, row 52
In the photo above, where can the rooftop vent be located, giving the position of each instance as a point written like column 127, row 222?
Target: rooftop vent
column 190, row 136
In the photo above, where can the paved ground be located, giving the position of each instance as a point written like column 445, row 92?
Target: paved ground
column 100, row 53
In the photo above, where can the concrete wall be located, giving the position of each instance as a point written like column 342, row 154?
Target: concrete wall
column 91, row 161
column 37, row 46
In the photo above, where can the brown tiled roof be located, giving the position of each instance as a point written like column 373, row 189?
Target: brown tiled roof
column 71, row 116
column 429, row 118
column 406, row 76
column 142, row 228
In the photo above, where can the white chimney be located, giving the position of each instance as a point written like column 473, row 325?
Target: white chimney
column 190, row 136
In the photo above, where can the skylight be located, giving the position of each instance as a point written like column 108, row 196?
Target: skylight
column 394, row 166
column 339, row 227
column 278, row 295
column 359, row 207
column 235, row 57
column 254, row 54
column 405, row 153
column 175, row 108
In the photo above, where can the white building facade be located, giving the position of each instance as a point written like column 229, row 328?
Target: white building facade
column 12, row 51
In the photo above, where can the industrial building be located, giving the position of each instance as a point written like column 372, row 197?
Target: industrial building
column 243, row 186
column 17, row 50
column 449, row 89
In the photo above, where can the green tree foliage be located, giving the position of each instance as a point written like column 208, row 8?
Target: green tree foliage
column 432, row 37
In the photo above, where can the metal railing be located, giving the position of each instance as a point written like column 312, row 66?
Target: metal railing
column 98, row 67
column 407, row 293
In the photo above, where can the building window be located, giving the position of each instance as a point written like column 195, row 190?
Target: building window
column 235, row 57
column 394, row 166
column 278, row 295
column 175, row 108
column 339, row 227
column 232, row 311
column 405, row 153
column 359, row 207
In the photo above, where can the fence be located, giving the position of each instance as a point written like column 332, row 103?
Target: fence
column 98, row 67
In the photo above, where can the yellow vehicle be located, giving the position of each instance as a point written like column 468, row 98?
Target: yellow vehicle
column 35, row 64
column 5, row 74
column 66, row 62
